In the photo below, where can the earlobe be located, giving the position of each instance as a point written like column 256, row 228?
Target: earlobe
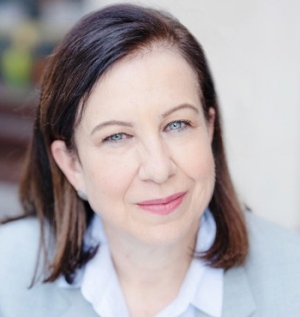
column 68, row 163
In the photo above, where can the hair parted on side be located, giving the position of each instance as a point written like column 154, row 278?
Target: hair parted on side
column 86, row 53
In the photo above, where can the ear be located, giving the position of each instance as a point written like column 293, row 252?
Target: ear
column 69, row 163
column 211, row 123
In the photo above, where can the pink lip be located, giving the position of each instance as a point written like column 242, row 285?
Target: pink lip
column 163, row 206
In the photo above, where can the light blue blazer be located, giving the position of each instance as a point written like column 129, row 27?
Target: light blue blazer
column 268, row 285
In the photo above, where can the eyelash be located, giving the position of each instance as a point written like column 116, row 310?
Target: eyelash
column 186, row 124
column 112, row 139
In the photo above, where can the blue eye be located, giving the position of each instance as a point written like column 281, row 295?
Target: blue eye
column 115, row 137
column 177, row 125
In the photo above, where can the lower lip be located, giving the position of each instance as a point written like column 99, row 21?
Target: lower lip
column 163, row 209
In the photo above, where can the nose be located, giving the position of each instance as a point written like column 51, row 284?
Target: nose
column 156, row 162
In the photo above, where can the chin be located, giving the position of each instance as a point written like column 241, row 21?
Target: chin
column 168, row 234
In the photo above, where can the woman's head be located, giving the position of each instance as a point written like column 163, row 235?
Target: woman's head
column 97, row 50
column 143, row 150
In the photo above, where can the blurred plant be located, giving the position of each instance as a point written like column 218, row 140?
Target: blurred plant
column 17, row 60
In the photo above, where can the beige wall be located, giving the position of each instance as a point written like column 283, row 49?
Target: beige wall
column 254, row 48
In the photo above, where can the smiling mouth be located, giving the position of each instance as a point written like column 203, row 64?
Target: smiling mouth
column 163, row 206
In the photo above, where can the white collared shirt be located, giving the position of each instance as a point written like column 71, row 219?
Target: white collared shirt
column 202, row 288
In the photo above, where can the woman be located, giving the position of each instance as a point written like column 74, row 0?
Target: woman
column 126, row 187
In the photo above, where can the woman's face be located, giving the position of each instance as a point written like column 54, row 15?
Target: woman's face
column 144, row 148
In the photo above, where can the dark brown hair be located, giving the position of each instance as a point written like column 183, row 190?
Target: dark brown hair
column 92, row 47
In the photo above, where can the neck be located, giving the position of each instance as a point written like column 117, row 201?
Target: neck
column 146, row 272
column 143, row 261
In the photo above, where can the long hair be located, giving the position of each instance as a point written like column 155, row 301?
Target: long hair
column 86, row 53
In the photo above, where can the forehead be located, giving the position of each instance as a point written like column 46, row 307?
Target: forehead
column 158, row 76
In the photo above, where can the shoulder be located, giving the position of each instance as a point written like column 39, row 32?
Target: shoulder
column 19, row 237
column 273, row 266
column 28, row 225
column 269, row 239
column 268, row 284
column 19, row 245
column 19, row 240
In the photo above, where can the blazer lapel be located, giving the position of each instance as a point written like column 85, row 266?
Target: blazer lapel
column 238, row 300
column 78, row 306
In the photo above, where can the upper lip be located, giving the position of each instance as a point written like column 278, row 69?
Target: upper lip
column 161, row 201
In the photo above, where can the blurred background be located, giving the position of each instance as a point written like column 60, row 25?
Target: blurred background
column 253, row 47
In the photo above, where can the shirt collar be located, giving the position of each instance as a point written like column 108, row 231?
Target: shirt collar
column 202, row 287
column 209, row 291
column 100, row 285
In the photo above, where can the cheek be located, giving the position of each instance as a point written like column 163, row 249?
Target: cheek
column 196, row 160
column 107, row 179
column 202, row 167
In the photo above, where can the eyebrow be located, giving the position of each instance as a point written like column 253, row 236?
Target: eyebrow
column 183, row 106
column 127, row 124
column 109, row 123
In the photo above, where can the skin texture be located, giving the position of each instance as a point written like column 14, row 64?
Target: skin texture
column 143, row 136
